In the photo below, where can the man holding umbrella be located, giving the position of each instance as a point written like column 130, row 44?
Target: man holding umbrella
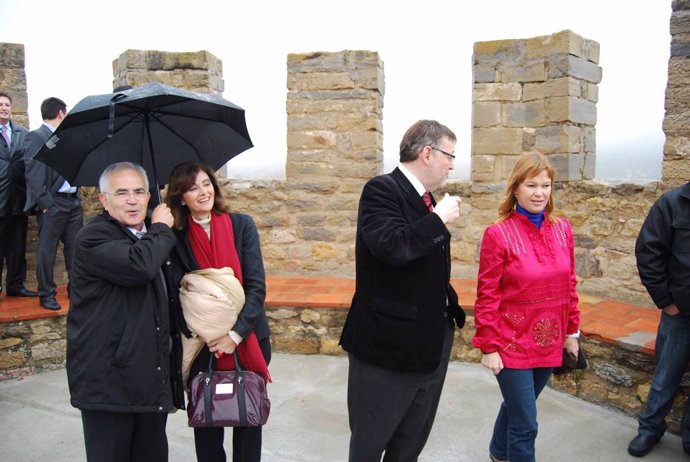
column 120, row 341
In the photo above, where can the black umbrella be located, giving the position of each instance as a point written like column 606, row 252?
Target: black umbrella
column 155, row 126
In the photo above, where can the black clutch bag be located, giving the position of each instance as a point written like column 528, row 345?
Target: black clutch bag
column 571, row 362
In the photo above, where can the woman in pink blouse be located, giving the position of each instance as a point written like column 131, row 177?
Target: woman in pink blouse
column 526, row 309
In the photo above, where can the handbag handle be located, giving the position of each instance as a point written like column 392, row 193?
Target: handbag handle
column 241, row 404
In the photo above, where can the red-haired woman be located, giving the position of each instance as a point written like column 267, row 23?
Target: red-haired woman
column 526, row 309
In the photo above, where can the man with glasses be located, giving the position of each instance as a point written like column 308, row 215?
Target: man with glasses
column 119, row 334
column 56, row 202
column 399, row 330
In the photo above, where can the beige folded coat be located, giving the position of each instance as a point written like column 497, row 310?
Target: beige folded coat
column 211, row 301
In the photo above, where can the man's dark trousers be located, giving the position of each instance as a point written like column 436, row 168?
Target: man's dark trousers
column 60, row 222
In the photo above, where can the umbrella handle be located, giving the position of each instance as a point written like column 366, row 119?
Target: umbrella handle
column 111, row 116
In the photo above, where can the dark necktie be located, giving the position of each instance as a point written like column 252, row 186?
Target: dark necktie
column 427, row 200
column 4, row 135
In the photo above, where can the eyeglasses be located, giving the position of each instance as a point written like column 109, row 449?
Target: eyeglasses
column 449, row 155
column 123, row 194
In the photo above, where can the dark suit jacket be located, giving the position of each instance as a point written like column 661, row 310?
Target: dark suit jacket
column 42, row 181
column 12, row 174
column 398, row 313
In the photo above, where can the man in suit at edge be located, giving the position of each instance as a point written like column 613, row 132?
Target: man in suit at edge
column 58, row 206
column 399, row 330
column 13, row 220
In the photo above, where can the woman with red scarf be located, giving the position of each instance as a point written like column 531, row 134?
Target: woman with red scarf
column 208, row 236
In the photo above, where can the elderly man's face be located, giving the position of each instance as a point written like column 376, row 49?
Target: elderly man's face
column 126, row 198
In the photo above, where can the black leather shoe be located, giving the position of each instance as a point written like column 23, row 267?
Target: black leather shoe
column 49, row 303
column 23, row 292
column 641, row 445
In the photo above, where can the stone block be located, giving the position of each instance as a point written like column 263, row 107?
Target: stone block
column 564, row 86
column 678, row 72
column 9, row 342
column 486, row 113
column 496, row 141
column 497, row 92
column 527, row 114
column 676, row 124
column 558, row 139
column 573, row 66
column 589, row 169
column 291, row 344
column 305, row 103
column 360, row 141
column 569, row 167
column 482, row 73
column 483, row 163
column 12, row 360
column 463, row 251
column 589, row 139
column 12, row 56
column 680, row 22
column 496, row 51
column 675, row 172
column 678, row 98
column 316, row 139
column 548, row 45
column 571, row 109
column 154, row 60
column 504, row 165
column 531, row 71
column 564, row 42
column 331, row 346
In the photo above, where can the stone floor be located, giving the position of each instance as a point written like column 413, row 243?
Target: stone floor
column 308, row 421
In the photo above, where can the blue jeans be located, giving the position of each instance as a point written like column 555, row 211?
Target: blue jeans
column 672, row 357
column 515, row 429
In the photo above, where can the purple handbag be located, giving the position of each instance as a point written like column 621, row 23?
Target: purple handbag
column 227, row 398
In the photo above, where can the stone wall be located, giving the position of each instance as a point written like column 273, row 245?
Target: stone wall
column 529, row 94
column 31, row 346
column 617, row 377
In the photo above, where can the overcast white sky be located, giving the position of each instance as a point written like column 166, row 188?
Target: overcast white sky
column 426, row 47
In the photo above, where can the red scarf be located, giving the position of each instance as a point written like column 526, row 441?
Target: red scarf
column 220, row 252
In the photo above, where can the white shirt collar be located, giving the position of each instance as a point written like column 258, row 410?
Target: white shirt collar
column 135, row 231
column 418, row 186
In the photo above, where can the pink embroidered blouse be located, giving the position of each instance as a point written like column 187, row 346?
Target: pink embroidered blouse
column 526, row 296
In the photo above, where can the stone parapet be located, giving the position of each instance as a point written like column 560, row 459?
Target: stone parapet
column 198, row 71
column 13, row 80
column 335, row 144
column 525, row 93
column 676, row 166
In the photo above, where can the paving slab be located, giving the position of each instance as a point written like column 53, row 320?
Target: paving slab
column 308, row 420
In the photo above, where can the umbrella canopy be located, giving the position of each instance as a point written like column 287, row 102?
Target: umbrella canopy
column 155, row 126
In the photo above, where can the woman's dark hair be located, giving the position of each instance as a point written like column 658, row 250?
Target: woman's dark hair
column 181, row 179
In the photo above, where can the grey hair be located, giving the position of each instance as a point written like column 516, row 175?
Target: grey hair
column 104, row 180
